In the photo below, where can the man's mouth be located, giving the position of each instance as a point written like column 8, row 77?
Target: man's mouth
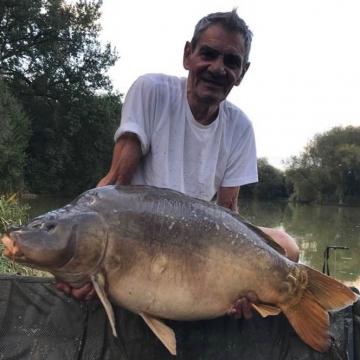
column 215, row 82
column 213, row 85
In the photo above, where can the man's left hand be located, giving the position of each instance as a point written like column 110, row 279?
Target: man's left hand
column 242, row 306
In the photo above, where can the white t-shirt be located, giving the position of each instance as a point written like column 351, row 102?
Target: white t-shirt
column 178, row 152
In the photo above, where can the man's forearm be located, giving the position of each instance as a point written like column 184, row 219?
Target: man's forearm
column 228, row 197
column 126, row 158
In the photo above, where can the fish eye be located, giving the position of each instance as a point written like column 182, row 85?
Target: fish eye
column 50, row 227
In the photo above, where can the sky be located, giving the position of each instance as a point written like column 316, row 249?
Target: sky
column 304, row 76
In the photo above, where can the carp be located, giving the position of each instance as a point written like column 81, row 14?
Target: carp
column 164, row 255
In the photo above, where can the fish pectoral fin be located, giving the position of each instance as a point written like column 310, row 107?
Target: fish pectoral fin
column 266, row 310
column 98, row 281
column 165, row 334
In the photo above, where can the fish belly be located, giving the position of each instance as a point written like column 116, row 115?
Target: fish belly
column 170, row 290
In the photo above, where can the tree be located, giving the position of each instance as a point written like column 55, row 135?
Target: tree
column 14, row 137
column 77, row 161
column 306, row 180
column 53, row 61
column 271, row 182
column 329, row 166
column 338, row 151
column 50, row 49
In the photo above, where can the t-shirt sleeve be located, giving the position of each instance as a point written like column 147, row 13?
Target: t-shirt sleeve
column 242, row 163
column 138, row 112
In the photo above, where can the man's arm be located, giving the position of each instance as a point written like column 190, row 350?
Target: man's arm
column 126, row 158
column 228, row 197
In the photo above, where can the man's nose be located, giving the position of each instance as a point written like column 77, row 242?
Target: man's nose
column 217, row 66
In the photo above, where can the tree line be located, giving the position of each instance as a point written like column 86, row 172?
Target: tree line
column 59, row 112
column 326, row 171
column 58, row 105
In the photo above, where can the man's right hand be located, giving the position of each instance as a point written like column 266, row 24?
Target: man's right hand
column 126, row 158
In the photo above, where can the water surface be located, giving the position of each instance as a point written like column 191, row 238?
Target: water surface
column 315, row 227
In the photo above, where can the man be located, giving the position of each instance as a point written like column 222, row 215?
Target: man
column 183, row 134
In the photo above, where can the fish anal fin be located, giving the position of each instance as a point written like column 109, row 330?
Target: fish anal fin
column 266, row 310
column 98, row 281
column 165, row 334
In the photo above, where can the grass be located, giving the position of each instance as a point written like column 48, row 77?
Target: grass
column 14, row 214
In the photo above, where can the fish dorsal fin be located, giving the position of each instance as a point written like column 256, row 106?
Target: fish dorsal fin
column 267, row 238
column 98, row 281
column 266, row 310
column 165, row 334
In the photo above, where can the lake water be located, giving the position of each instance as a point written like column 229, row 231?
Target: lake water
column 315, row 227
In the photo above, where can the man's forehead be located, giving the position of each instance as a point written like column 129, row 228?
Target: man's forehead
column 218, row 38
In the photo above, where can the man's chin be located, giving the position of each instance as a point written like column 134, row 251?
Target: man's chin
column 210, row 99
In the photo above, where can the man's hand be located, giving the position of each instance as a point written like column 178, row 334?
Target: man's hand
column 242, row 306
column 85, row 293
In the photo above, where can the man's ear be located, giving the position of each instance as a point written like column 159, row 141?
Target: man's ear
column 187, row 54
column 245, row 69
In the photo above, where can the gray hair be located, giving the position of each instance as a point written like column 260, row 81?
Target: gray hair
column 230, row 21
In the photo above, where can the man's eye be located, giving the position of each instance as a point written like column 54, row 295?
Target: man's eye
column 232, row 61
column 208, row 55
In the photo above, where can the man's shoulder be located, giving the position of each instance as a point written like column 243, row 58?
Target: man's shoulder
column 158, row 79
column 232, row 113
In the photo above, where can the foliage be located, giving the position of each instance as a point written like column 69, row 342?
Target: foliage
column 329, row 165
column 271, row 182
column 14, row 135
column 77, row 160
column 52, row 59
column 51, row 49
column 11, row 213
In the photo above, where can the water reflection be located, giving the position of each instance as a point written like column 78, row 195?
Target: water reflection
column 315, row 227
column 42, row 204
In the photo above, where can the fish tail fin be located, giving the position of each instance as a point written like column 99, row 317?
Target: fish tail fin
column 309, row 315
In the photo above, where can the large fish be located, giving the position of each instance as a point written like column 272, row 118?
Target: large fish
column 164, row 255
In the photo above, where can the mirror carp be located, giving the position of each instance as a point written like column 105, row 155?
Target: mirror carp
column 165, row 255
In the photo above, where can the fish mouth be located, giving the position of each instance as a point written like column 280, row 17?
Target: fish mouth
column 12, row 250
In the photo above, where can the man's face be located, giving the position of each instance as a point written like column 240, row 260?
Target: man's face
column 215, row 65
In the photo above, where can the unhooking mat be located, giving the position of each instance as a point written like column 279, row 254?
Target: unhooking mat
column 38, row 322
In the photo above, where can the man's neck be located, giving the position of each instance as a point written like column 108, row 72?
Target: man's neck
column 204, row 114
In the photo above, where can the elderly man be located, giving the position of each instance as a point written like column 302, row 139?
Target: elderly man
column 182, row 133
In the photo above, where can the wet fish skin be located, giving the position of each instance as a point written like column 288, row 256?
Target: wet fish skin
column 51, row 242
column 166, row 255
